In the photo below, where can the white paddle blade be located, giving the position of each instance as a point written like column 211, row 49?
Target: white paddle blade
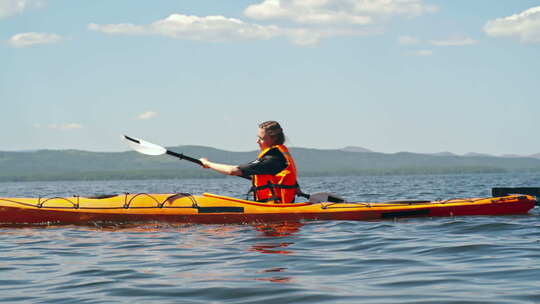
column 144, row 147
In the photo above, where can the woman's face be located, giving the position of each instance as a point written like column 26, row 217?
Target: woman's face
column 263, row 140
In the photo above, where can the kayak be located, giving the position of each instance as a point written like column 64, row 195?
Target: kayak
column 216, row 209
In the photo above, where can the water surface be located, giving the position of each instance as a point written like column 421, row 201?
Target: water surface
column 423, row 260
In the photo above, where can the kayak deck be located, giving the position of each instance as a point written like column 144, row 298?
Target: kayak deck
column 215, row 209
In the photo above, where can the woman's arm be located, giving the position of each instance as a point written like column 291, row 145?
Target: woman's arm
column 221, row 168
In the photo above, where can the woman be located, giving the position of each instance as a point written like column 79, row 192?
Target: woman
column 273, row 173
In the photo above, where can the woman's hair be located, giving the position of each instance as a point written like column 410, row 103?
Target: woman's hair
column 273, row 129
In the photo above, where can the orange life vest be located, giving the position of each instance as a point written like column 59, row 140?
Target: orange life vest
column 279, row 188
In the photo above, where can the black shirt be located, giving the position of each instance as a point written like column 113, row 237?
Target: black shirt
column 271, row 163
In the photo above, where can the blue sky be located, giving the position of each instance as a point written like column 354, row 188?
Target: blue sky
column 387, row 75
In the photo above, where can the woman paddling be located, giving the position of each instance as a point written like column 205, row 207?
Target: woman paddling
column 273, row 173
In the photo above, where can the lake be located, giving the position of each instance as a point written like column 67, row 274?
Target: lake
column 480, row 259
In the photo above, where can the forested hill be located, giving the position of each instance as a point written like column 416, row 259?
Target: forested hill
column 84, row 165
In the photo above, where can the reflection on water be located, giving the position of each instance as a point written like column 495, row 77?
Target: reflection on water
column 275, row 230
column 279, row 229
column 276, row 279
column 271, row 248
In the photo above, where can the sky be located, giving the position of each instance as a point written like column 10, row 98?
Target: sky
column 387, row 75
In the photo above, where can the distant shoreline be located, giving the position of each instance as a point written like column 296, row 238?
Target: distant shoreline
column 52, row 165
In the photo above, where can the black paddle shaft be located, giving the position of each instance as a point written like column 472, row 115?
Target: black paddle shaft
column 182, row 156
column 193, row 160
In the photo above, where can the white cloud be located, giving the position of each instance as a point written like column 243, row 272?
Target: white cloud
column 336, row 12
column 147, row 115
column 424, row 53
column 317, row 18
column 213, row 29
column 210, row 28
column 122, row 28
column 304, row 37
column 62, row 127
column 455, row 41
column 10, row 8
column 408, row 40
column 310, row 36
column 30, row 39
column 525, row 26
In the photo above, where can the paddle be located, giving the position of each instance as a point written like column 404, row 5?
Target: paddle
column 503, row 191
column 149, row 148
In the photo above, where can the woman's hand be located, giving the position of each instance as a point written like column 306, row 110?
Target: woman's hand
column 205, row 162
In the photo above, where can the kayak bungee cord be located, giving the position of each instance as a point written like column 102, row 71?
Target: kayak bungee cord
column 126, row 205
column 75, row 202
